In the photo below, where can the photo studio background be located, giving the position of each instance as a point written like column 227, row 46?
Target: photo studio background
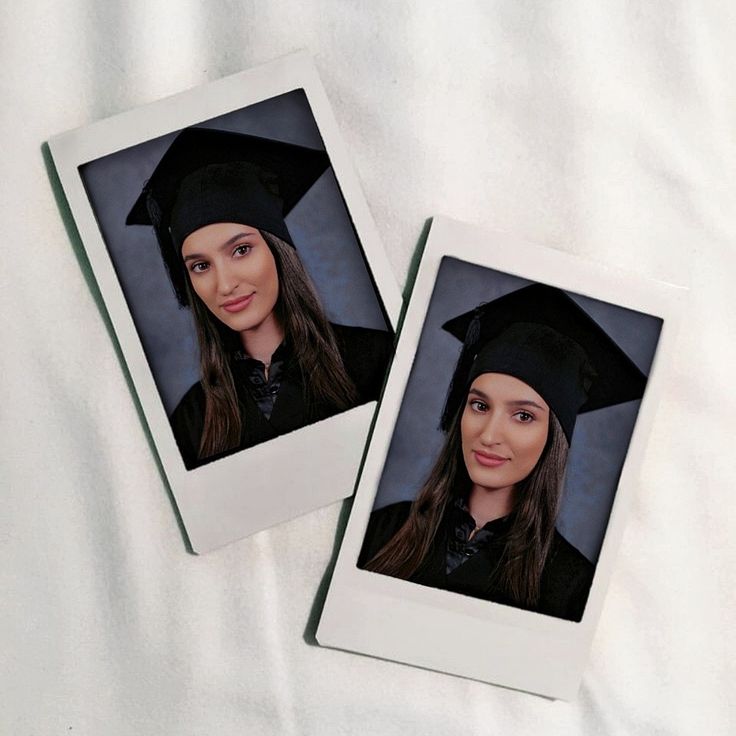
column 319, row 224
column 600, row 440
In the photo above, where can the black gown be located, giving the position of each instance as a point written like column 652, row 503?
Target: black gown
column 566, row 576
column 366, row 354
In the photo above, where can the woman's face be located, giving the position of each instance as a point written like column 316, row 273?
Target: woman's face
column 504, row 430
column 232, row 270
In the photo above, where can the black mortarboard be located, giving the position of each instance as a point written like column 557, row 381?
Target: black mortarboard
column 539, row 335
column 209, row 176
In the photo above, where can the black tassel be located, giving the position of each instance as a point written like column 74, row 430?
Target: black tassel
column 458, row 384
column 168, row 250
column 473, row 332
column 155, row 212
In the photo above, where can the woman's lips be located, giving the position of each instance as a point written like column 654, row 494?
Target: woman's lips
column 237, row 305
column 489, row 460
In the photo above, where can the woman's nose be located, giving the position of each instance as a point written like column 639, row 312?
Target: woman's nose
column 226, row 281
column 492, row 432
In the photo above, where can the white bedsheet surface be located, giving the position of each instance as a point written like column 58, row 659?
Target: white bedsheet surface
column 603, row 129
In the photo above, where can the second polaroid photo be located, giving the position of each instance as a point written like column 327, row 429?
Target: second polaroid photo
column 504, row 455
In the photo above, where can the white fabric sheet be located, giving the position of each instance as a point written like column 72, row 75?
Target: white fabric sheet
column 603, row 129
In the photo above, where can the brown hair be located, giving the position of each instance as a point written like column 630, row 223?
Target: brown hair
column 519, row 571
column 309, row 334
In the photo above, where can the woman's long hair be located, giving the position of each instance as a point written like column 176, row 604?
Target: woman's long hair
column 310, row 338
column 532, row 528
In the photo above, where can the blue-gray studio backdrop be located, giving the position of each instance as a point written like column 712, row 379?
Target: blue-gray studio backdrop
column 320, row 227
column 600, row 439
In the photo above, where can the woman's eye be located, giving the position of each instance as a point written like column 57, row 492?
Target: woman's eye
column 242, row 250
column 524, row 416
column 199, row 267
column 478, row 405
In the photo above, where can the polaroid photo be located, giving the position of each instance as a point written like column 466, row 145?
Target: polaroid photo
column 503, row 461
column 244, row 279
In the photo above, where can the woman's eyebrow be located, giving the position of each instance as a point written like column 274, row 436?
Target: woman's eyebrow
column 234, row 238
column 516, row 402
column 525, row 402
column 478, row 392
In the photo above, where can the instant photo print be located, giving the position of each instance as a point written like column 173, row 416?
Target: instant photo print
column 522, row 389
column 206, row 216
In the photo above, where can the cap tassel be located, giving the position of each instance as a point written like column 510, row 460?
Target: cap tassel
column 168, row 250
column 462, row 369
column 155, row 212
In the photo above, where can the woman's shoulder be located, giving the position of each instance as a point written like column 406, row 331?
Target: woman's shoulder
column 566, row 580
column 192, row 403
column 394, row 514
column 565, row 554
column 382, row 525
column 357, row 339
column 187, row 421
column 366, row 354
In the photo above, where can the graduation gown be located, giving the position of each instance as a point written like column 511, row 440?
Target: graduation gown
column 366, row 354
column 566, row 576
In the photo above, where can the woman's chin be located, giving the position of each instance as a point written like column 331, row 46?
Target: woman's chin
column 237, row 325
column 488, row 484
column 491, row 479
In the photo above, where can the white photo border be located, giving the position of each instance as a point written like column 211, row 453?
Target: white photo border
column 216, row 504
column 436, row 629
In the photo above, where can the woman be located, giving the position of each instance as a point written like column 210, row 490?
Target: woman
column 270, row 361
column 483, row 523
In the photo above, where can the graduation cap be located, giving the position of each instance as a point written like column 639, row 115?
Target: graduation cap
column 208, row 176
column 539, row 335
